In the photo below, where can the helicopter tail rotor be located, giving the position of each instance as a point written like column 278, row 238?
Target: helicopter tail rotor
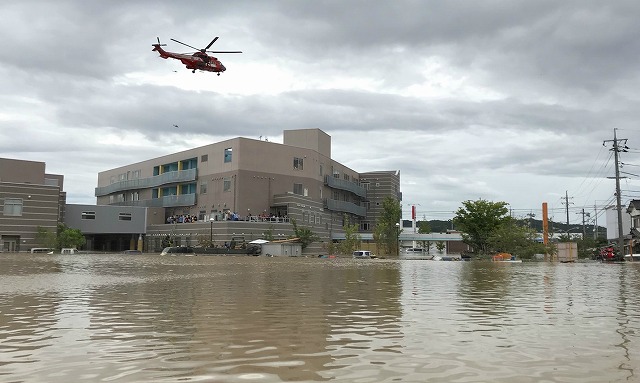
column 158, row 44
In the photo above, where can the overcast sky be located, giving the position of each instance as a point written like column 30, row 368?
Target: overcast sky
column 501, row 100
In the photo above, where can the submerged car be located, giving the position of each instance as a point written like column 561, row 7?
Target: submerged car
column 132, row 252
column 179, row 250
column 363, row 254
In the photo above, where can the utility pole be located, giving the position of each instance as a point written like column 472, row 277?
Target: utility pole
column 584, row 227
column 596, row 229
column 616, row 150
column 566, row 202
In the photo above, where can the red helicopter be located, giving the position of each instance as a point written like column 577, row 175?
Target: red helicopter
column 196, row 61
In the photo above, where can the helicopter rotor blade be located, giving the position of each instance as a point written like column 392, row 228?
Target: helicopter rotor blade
column 224, row 51
column 160, row 45
column 210, row 44
column 180, row 42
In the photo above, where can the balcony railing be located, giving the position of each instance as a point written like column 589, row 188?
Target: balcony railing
column 151, row 182
column 337, row 183
column 345, row 207
column 166, row 201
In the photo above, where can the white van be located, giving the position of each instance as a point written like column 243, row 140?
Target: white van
column 36, row 250
column 69, row 250
column 363, row 254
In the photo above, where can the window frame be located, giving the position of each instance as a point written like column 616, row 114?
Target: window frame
column 17, row 207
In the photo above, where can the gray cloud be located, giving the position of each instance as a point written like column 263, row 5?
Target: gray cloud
column 492, row 99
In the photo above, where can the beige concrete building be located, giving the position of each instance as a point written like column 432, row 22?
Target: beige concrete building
column 247, row 188
column 30, row 199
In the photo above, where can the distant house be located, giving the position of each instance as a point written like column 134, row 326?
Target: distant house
column 634, row 213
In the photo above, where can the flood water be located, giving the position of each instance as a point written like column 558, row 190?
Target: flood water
column 151, row 318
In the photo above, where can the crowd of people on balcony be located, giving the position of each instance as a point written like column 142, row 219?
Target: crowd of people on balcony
column 264, row 217
column 229, row 216
column 182, row 218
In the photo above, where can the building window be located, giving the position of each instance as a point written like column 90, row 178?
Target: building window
column 123, row 216
column 204, row 158
column 88, row 215
column 203, row 187
column 365, row 226
column 298, row 163
column 321, row 170
column 227, row 185
column 365, row 185
column 135, row 196
column 13, row 207
column 227, row 154
column 346, row 177
column 297, row 189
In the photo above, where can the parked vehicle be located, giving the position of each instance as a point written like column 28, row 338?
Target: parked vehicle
column 180, row 250
column 363, row 254
column 132, row 252
column 413, row 250
column 41, row 250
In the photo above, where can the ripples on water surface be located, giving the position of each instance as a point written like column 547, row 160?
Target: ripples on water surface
column 97, row 318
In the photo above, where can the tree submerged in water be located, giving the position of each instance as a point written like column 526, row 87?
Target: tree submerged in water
column 387, row 231
column 63, row 237
column 487, row 227
column 304, row 234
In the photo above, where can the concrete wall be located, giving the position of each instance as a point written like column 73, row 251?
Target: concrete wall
column 108, row 219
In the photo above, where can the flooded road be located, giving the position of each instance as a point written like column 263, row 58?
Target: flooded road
column 150, row 318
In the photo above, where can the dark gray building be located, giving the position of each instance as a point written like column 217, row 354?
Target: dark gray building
column 30, row 200
column 109, row 228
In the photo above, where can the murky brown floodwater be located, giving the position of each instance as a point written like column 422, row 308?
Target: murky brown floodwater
column 108, row 318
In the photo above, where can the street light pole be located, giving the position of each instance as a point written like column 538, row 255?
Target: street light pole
column 211, row 232
column 398, row 239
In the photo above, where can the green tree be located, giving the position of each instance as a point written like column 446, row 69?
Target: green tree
column 424, row 227
column 352, row 239
column 478, row 219
column 70, row 237
column 516, row 238
column 304, row 234
column 427, row 246
column 440, row 245
column 386, row 232
column 268, row 234
column 46, row 238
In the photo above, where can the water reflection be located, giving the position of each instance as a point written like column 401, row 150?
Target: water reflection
column 237, row 319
